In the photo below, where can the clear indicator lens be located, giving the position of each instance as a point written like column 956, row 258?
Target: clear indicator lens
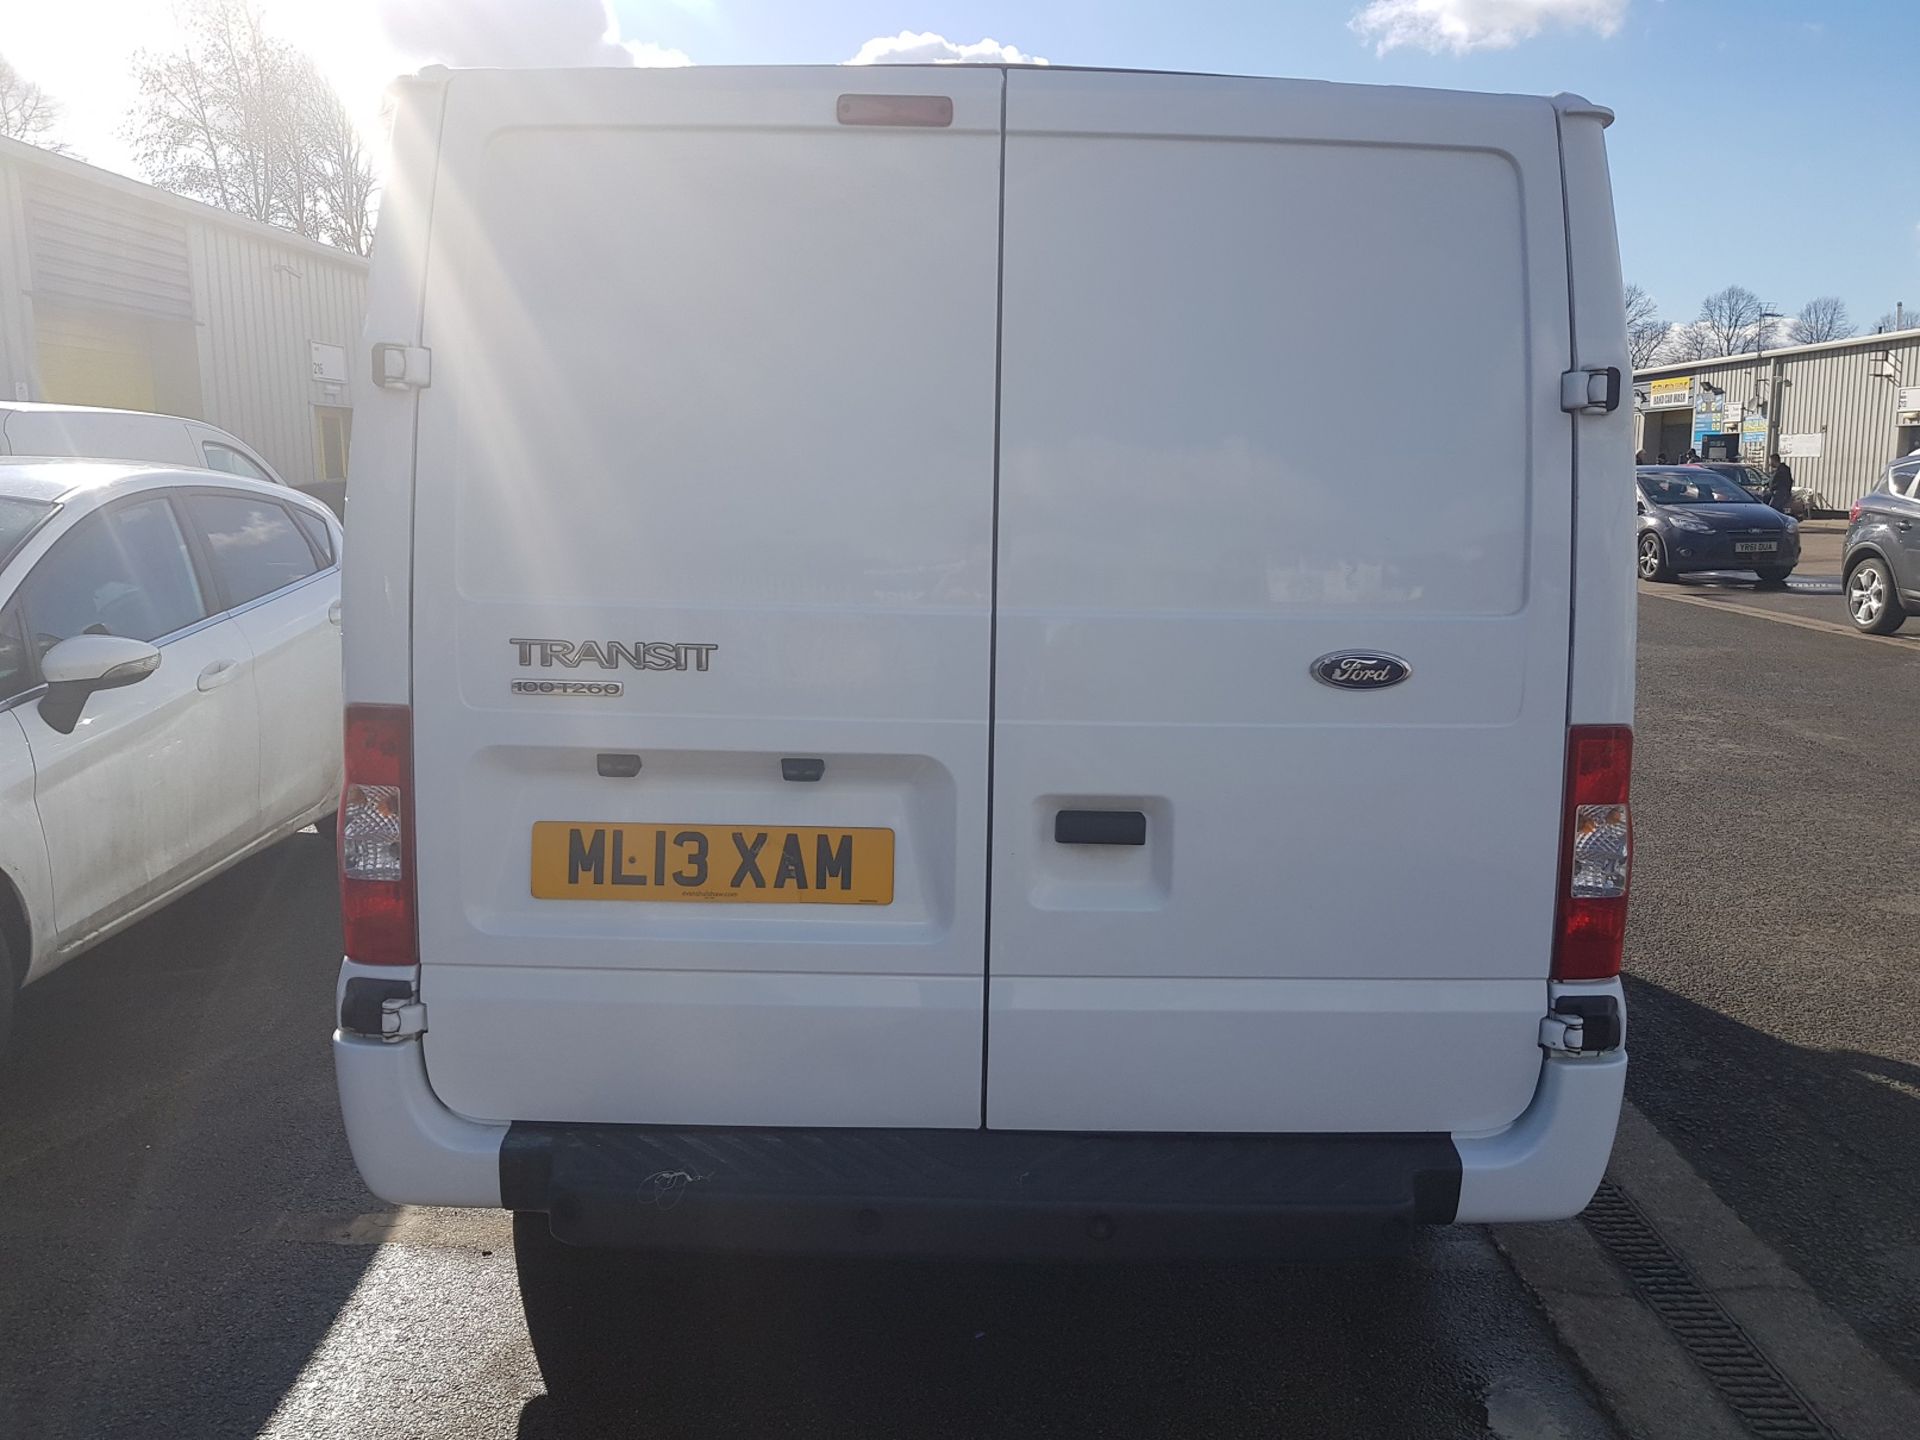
column 1602, row 848
column 370, row 833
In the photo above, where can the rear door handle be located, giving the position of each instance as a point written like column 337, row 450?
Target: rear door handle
column 1099, row 827
column 333, row 613
column 217, row 674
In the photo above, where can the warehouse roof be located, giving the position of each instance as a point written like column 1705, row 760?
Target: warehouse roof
column 80, row 171
column 1680, row 367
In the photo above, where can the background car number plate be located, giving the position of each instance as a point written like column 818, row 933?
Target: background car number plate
column 1748, row 547
column 751, row 864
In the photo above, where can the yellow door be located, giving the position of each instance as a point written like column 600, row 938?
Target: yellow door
column 88, row 358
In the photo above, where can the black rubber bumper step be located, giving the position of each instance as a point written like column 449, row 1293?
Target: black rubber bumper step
column 986, row 1193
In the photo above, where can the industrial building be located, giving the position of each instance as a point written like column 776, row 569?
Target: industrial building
column 115, row 293
column 1837, row 411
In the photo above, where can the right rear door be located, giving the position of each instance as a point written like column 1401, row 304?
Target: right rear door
column 1280, row 379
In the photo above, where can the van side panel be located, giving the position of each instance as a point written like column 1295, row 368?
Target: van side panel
column 376, row 564
column 1605, row 622
column 726, row 441
column 1280, row 380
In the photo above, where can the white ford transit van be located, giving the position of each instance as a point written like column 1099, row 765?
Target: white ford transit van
column 1015, row 661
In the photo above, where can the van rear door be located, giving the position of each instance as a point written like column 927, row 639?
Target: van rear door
column 1281, row 379
column 710, row 425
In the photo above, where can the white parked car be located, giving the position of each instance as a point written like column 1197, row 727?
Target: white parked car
column 169, row 691
column 887, row 711
column 97, row 433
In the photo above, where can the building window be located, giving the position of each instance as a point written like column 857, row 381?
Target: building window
column 334, row 434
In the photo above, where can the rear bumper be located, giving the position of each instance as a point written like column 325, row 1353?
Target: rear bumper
column 1002, row 1195
column 972, row 1192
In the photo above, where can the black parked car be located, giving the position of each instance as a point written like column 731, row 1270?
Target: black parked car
column 1692, row 519
column 1881, row 563
column 1759, row 484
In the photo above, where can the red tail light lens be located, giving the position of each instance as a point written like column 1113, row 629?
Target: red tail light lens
column 1596, row 853
column 1854, row 513
column 376, row 837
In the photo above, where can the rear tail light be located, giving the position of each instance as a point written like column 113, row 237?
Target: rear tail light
column 1596, row 853
column 376, row 836
column 1854, row 513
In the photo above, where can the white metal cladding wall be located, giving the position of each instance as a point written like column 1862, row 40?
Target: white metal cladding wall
column 1833, row 393
column 15, row 353
column 259, row 303
column 97, row 248
column 1836, row 393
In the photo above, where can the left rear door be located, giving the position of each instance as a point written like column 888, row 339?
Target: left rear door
column 283, row 591
column 710, row 433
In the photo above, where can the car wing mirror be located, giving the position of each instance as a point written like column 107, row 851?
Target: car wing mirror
column 82, row 664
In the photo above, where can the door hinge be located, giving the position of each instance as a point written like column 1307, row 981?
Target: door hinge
column 401, row 1019
column 1581, row 1025
column 1590, row 392
column 402, row 367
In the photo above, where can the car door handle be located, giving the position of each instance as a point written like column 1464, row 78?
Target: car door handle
column 333, row 613
column 1906, row 524
column 217, row 674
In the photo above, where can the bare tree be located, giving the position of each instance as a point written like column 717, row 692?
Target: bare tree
column 1896, row 320
column 28, row 112
column 1688, row 342
column 1822, row 318
column 1646, row 331
column 242, row 120
column 340, row 170
column 1735, row 321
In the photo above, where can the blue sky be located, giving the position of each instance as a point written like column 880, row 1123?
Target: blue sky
column 1769, row 143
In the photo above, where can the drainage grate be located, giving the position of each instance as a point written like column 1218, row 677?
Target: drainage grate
column 1759, row 1394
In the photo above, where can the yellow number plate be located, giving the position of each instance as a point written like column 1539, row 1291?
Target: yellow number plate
column 751, row 864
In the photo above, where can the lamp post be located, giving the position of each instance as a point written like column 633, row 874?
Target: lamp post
column 1772, row 381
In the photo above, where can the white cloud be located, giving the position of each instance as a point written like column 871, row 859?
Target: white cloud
column 523, row 33
column 925, row 47
column 1464, row 25
column 648, row 55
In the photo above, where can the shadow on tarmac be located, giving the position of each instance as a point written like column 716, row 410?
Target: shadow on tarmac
column 1817, row 1150
column 838, row 1348
column 168, row 1096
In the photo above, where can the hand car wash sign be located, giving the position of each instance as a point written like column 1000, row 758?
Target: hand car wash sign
column 1673, row 394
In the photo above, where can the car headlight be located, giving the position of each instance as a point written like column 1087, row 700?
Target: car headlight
column 1793, row 525
column 1689, row 523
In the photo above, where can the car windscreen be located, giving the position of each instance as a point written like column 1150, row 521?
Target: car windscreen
column 18, row 518
column 1695, row 487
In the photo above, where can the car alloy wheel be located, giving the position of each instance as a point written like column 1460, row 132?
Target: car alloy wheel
column 1866, row 595
column 1651, row 562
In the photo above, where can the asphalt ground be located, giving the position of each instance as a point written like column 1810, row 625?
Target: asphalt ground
column 1774, row 947
column 186, row 1250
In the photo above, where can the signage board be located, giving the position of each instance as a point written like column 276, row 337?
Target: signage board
column 1802, row 447
column 1670, row 394
column 1907, row 401
column 329, row 362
